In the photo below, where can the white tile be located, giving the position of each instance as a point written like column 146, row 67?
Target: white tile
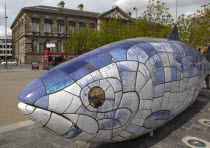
column 158, row 47
column 94, row 84
column 145, row 104
column 104, row 84
column 59, row 102
column 84, row 111
column 30, row 109
column 109, row 93
column 40, row 116
column 147, row 92
column 165, row 102
column 156, row 105
column 159, row 90
column 137, row 121
column 140, row 81
column 75, row 105
column 125, row 134
column 86, row 137
column 141, row 54
column 167, row 47
column 110, row 71
column 165, row 59
column 105, row 124
column 130, row 100
column 127, row 66
column 118, row 97
column 144, row 70
column 74, row 89
column 85, row 80
column 132, row 128
column 96, row 75
column 59, row 124
column 167, row 71
column 72, row 117
column 108, row 105
column 128, row 81
column 117, row 131
column 103, row 136
column 131, row 55
column 168, row 87
column 118, row 138
column 122, row 115
column 142, row 114
column 84, row 96
column 87, row 124
column 116, row 84
column 22, row 107
column 90, row 108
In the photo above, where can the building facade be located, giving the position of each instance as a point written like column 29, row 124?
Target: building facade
column 4, row 50
column 34, row 27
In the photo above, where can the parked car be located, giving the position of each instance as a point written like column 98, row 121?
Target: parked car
column 10, row 62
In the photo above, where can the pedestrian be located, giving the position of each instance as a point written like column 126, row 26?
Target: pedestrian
column 207, row 56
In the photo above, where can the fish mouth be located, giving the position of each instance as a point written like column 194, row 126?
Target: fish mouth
column 50, row 120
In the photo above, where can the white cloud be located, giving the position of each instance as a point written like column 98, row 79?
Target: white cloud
column 2, row 31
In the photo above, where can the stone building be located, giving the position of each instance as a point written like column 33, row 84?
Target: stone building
column 3, row 48
column 36, row 26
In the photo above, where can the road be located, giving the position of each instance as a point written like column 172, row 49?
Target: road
column 11, row 83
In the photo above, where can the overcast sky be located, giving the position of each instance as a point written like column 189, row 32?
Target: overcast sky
column 14, row 6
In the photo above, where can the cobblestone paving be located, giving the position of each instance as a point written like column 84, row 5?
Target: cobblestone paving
column 168, row 136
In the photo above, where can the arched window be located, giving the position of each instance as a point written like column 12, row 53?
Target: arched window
column 35, row 26
column 59, row 46
column 60, row 28
column 82, row 25
column 71, row 27
column 34, row 45
column 48, row 27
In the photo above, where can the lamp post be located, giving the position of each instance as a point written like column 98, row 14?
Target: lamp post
column 5, row 36
column 136, row 11
column 176, row 10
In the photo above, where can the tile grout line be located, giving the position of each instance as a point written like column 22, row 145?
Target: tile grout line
column 14, row 126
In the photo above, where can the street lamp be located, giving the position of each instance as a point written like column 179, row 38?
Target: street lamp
column 136, row 11
column 5, row 36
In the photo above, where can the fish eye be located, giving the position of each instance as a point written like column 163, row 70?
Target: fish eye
column 96, row 97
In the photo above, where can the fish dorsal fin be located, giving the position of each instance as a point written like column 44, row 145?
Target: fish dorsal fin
column 174, row 35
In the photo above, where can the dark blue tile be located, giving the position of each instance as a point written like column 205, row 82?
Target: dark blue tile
column 79, row 73
column 73, row 132
column 110, row 114
column 48, row 74
column 57, row 82
column 148, row 48
column 100, row 60
column 173, row 74
column 109, row 124
column 119, row 54
column 42, row 102
column 30, row 87
column 34, row 95
column 159, row 77
column 158, row 62
column 177, row 58
column 125, row 44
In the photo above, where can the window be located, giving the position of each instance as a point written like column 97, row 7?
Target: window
column 82, row 25
column 34, row 45
column 71, row 29
column 1, row 46
column 60, row 27
column 48, row 27
column 59, row 46
column 35, row 26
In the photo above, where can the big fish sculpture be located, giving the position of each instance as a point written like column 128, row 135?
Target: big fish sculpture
column 116, row 92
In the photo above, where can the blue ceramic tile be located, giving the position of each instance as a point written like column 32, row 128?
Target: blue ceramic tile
column 48, row 74
column 57, row 82
column 43, row 102
column 30, row 87
column 79, row 73
column 132, row 128
column 128, row 81
column 109, row 114
column 140, row 53
column 84, row 111
column 100, row 60
column 107, row 106
column 158, row 63
column 118, row 53
column 105, row 48
column 159, row 90
column 73, row 132
column 173, row 74
column 159, row 77
column 67, row 68
column 125, row 44
column 108, row 123
column 148, row 48
column 34, row 95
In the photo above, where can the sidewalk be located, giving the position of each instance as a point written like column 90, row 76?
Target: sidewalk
column 168, row 136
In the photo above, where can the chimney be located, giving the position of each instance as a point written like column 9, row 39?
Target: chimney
column 130, row 14
column 61, row 4
column 80, row 7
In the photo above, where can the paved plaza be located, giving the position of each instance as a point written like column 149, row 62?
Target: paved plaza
column 17, row 131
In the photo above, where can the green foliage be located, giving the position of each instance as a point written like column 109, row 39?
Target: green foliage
column 156, row 22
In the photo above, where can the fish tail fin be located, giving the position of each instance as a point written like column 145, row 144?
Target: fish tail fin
column 174, row 35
